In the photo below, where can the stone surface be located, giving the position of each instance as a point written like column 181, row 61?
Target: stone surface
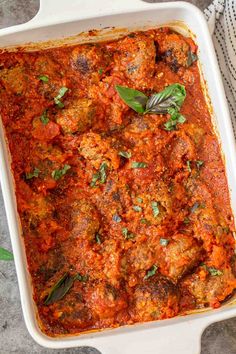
column 219, row 338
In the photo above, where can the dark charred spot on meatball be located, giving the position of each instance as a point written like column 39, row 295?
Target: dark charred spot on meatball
column 82, row 65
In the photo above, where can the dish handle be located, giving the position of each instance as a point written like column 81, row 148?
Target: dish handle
column 181, row 338
column 61, row 10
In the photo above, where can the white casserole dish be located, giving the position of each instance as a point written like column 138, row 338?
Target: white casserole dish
column 57, row 19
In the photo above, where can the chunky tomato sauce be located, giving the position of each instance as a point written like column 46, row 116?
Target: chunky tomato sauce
column 123, row 221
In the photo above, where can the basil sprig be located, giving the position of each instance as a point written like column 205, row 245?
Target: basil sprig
column 62, row 286
column 61, row 93
column 169, row 101
column 5, row 255
column 57, row 174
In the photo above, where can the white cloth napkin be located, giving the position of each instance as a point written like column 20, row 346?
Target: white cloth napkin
column 221, row 17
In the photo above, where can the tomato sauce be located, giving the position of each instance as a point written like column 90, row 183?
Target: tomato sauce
column 123, row 221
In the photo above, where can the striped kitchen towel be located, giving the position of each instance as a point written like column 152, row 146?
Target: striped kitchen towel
column 221, row 17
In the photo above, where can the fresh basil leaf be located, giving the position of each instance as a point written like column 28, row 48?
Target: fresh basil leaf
column 189, row 166
column 5, row 255
column 60, row 289
column 213, row 271
column 100, row 71
column 186, row 221
column 98, row 238
column 58, row 98
column 116, row 218
column 35, row 173
column 199, row 164
column 192, row 57
column 103, row 175
column 174, row 119
column 172, row 96
column 151, row 272
column 145, row 221
column 140, row 200
column 136, row 164
column 133, row 98
column 155, row 209
column 164, row 242
column 95, row 178
column 82, row 278
column 57, row 174
column 127, row 234
column 44, row 118
column 137, row 208
column 125, row 154
column 43, row 78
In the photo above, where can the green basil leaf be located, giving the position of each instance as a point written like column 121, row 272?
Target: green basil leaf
column 189, row 166
column 172, row 96
column 60, row 289
column 125, row 154
column 133, row 98
column 95, row 178
column 44, row 118
column 5, row 255
column 43, row 78
column 199, row 164
column 116, row 218
column 137, row 208
column 155, row 209
column 82, row 278
column 57, row 174
column 98, row 238
column 213, row 271
column 136, row 164
column 102, row 170
column 192, row 57
column 127, row 234
column 58, row 98
column 100, row 71
column 35, row 173
column 164, row 242
column 151, row 272
column 139, row 200
column 174, row 119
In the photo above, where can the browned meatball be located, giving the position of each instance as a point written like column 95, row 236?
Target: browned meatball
column 106, row 300
column 97, row 150
column 156, row 298
column 135, row 56
column 15, row 79
column 88, row 58
column 182, row 254
column 210, row 290
column 77, row 117
column 175, row 49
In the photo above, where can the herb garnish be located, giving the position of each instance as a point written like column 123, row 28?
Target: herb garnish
column 145, row 221
column 186, row 221
column 199, row 164
column 127, row 234
column 98, row 238
column 140, row 200
column 35, row 173
column 5, row 255
column 116, row 218
column 189, row 166
column 125, row 154
column 155, row 208
column 137, row 208
column 164, row 242
column 58, row 98
column 168, row 101
column 99, row 176
column 136, row 164
column 57, row 174
column 61, row 288
column 192, row 57
column 151, row 272
column 100, row 71
column 213, row 271
column 43, row 78
column 44, row 118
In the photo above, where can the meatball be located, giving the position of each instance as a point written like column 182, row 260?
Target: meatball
column 210, row 290
column 175, row 49
column 97, row 150
column 77, row 117
column 14, row 79
column 182, row 254
column 88, row 58
column 155, row 299
column 135, row 56
column 106, row 300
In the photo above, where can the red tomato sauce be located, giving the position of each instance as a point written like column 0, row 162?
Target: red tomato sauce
column 108, row 243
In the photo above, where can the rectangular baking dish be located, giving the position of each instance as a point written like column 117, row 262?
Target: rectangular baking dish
column 60, row 19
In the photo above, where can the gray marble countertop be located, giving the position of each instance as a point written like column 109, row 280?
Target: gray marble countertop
column 219, row 338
